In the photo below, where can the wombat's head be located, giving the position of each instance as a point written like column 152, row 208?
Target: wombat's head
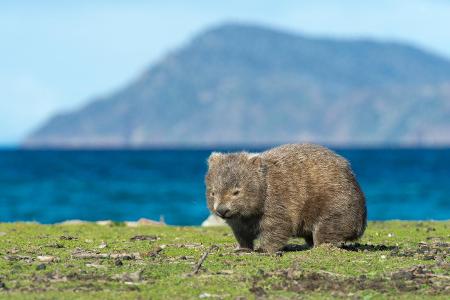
column 235, row 184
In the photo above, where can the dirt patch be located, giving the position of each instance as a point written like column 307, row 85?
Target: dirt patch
column 68, row 238
column 87, row 254
column 24, row 258
column 436, row 250
column 150, row 238
column 299, row 281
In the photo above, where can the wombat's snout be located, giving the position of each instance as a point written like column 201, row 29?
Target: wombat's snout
column 223, row 211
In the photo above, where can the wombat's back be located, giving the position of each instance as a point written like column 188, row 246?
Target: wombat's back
column 315, row 185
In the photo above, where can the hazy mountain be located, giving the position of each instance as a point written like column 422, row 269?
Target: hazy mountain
column 239, row 84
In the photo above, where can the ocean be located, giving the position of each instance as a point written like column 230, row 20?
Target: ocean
column 52, row 186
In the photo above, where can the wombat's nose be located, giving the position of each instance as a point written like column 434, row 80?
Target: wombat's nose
column 222, row 211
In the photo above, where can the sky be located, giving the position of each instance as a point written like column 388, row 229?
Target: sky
column 57, row 55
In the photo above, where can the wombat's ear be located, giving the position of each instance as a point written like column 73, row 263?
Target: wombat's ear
column 255, row 160
column 214, row 157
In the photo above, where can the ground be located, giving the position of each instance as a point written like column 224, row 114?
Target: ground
column 393, row 260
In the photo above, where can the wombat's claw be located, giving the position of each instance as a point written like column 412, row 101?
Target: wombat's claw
column 239, row 250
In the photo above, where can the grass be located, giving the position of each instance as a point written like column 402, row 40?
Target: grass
column 395, row 259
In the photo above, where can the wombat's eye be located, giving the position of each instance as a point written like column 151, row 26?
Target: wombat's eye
column 236, row 192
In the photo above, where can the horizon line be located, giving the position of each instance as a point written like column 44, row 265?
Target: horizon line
column 15, row 147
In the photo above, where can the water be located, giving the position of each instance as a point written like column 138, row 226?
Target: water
column 51, row 186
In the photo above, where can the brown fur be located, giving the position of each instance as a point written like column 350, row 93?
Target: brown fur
column 293, row 190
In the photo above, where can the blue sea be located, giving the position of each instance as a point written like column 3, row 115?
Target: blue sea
column 52, row 186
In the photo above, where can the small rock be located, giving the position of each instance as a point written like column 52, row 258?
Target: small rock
column 105, row 223
column 41, row 267
column 95, row 265
column 131, row 224
column 204, row 295
column 226, row 272
column 72, row 222
column 213, row 220
column 383, row 256
column 103, row 245
column 191, row 246
column 144, row 221
column 390, row 235
column 125, row 256
column 46, row 258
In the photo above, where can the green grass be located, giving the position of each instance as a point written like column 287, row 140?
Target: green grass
column 407, row 260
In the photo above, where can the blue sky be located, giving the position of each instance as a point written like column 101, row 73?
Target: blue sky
column 57, row 55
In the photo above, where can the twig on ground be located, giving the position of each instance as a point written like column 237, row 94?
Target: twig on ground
column 202, row 260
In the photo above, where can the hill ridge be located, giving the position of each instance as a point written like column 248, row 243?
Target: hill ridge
column 247, row 84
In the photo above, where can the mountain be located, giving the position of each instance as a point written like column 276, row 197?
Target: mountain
column 243, row 84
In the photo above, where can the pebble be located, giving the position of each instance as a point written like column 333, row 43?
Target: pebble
column 46, row 258
column 104, row 223
column 204, row 295
column 95, row 265
column 144, row 222
column 212, row 221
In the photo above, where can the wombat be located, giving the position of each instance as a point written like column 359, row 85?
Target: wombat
column 299, row 190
